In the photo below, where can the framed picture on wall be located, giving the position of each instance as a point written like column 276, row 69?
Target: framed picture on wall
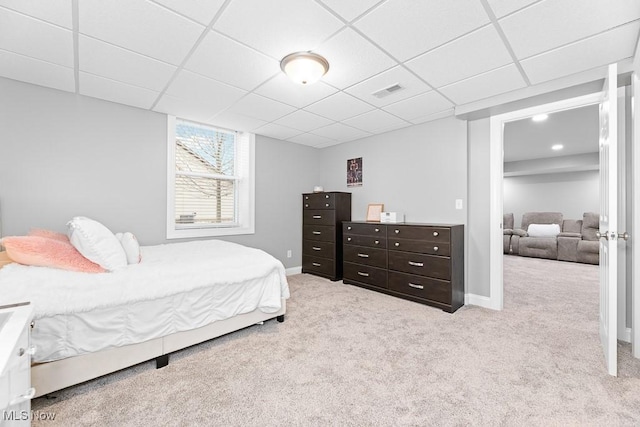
column 354, row 172
column 373, row 212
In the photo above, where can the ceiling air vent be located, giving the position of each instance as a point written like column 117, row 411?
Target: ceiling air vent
column 387, row 91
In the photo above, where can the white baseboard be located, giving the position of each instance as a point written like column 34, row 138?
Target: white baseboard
column 625, row 335
column 478, row 300
column 293, row 270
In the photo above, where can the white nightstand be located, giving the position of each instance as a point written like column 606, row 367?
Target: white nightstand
column 15, row 365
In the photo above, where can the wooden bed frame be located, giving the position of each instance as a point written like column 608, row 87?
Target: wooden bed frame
column 52, row 376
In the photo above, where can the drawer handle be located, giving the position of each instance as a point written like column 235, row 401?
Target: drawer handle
column 377, row 242
column 23, row 398
column 349, row 228
column 326, row 204
column 435, row 248
column 397, row 231
column 317, row 232
column 306, row 205
column 306, row 197
column 397, row 244
column 326, row 196
column 363, row 255
column 416, row 264
column 317, row 217
column 377, row 229
column 360, row 273
column 316, row 248
column 348, row 239
column 413, row 285
column 316, row 264
column 435, row 233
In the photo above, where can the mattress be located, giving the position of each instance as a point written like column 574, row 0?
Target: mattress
column 176, row 287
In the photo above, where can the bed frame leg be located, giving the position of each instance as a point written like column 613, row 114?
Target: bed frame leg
column 162, row 361
column 280, row 318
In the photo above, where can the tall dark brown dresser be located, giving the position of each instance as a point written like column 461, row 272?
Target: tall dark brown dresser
column 322, row 216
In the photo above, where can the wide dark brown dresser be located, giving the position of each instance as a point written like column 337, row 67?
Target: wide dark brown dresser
column 419, row 262
column 322, row 215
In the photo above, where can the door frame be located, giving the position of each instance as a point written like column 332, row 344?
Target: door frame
column 496, row 171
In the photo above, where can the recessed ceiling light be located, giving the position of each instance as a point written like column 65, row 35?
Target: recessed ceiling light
column 540, row 117
column 304, row 67
column 557, row 147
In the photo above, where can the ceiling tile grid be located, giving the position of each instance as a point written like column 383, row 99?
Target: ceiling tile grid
column 217, row 61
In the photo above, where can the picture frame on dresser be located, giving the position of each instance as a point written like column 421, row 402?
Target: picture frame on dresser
column 374, row 210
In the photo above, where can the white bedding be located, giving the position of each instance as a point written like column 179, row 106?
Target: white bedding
column 176, row 287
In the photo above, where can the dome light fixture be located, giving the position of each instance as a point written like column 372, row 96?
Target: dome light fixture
column 304, row 67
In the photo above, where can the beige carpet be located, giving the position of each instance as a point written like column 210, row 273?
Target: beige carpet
column 348, row 356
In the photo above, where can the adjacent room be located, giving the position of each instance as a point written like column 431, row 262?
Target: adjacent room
column 315, row 212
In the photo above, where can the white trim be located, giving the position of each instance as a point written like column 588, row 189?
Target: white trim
column 625, row 335
column 635, row 220
column 246, row 148
column 293, row 270
column 496, row 165
column 479, row 300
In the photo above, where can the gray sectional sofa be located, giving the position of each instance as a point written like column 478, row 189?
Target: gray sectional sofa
column 572, row 240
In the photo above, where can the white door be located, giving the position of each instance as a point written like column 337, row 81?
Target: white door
column 609, row 220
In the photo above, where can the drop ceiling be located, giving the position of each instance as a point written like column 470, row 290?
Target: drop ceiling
column 217, row 61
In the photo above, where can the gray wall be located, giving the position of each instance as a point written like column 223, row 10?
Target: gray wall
column 63, row 155
column 419, row 171
column 572, row 193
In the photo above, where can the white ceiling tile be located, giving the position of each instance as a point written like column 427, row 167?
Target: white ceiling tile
column 212, row 95
column 303, row 120
column 411, row 86
column 603, row 49
column 406, row 28
column 189, row 109
column 262, row 108
column 273, row 130
column 352, row 59
column 141, row 26
column 419, row 106
column 326, row 144
column 550, row 24
column 340, row 132
column 111, row 90
column 54, row 11
column 436, row 116
column 223, row 59
column 284, row 90
column 504, row 7
column 26, row 69
column 106, row 60
column 34, row 38
column 339, row 106
column 237, row 122
column 394, row 126
column 350, row 9
column 482, row 86
column 201, row 11
column 278, row 27
column 475, row 53
column 375, row 121
column 312, row 140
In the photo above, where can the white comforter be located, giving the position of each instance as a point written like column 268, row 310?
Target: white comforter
column 165, row 270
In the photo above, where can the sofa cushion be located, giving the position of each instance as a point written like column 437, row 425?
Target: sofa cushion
column 507, row 221
column 568, row 247
column 589, row 251
column 590, row 225
column 540, row 218
column 572, row 226
column 539, row 247
column 518, row 232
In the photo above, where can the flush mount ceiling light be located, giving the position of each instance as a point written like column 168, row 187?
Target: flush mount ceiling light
column 557, row 147
column 540, row 117
column 304, row 67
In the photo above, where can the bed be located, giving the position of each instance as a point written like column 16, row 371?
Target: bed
column 88, row 325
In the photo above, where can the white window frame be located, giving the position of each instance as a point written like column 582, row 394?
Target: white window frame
column 245, row 202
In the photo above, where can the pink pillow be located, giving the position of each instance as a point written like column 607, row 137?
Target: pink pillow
column 40, row 232
column 44, row 252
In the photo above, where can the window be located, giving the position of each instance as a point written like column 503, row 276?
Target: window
column 210, row 184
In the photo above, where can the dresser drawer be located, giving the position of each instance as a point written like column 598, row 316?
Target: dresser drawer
column 423, row 265
column 319, row 217
column 421, row 246
column 316, row 265
column 420, row 286
column 319, row 248
column 365, row 274
column 365, row 255
column 319, row 201
column 364, row 229
column 324, row 233
column 431, row 234
column 370, row 241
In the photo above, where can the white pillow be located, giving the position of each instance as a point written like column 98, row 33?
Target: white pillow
column 543, row 230
column 131, row 247
column 96, row 243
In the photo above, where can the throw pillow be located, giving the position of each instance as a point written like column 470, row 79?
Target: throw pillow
column 48, row 234
column 96, row 243
column 131, row 247
column 543, row 230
